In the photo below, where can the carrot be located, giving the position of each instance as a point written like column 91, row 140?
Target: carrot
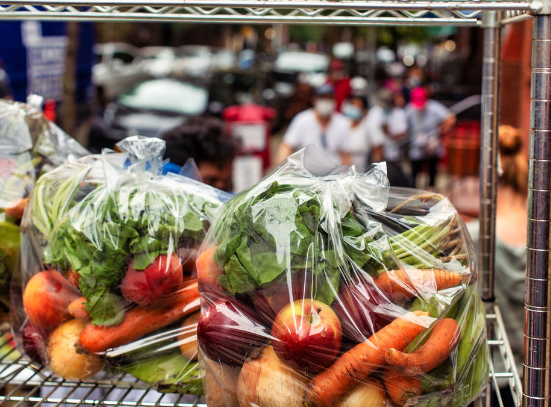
column 438, row 347
column 139, row 321
column 15, row 209
column 207, row 269
column 401, row 388
column 78, row 308
column 401, row 284
column 363, row 359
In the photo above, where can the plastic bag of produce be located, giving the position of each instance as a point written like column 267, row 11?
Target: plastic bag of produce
column 109, row 268
column 324, row 287
column 29, row 146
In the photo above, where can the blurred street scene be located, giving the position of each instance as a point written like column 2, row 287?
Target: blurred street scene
column 407, row 96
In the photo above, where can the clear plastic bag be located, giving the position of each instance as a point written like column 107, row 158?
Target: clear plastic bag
column 108, row 279
column 29, row 146
column 324, row 287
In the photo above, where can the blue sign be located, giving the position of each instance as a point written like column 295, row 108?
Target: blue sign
column 33, row 55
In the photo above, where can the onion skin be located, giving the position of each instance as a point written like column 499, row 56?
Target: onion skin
column 187, row 339
column 265, row 381
column 220, row 383
column 66, row 360
column 369, row 393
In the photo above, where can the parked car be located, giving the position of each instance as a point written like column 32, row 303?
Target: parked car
column 197, row 60
column 118, row 65
column 152, row 107
column 161, row 62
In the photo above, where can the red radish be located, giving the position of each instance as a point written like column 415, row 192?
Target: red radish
column 150, row 287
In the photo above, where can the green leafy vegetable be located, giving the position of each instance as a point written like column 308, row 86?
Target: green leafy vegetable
column 107, row 230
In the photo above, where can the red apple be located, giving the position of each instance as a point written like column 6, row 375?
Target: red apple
column 228, row 331
column 361, row 310
column 47, row 297
column 307, row 335
column 154, row 285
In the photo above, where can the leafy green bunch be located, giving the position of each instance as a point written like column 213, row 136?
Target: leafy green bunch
column 288, row 229
column 108, row 230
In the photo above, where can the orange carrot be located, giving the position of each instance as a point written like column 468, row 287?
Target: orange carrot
column 438, row 347
column 401, row 388
column 207, row 269
column 401, row 284
column 78, row 308
column 15, row 209
column 139, row 321
column 362, row 360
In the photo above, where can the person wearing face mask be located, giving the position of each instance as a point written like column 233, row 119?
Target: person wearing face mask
column 340, row 81
column 365, row 146
column 388, row 122
column 428, row 120
column 322, row 126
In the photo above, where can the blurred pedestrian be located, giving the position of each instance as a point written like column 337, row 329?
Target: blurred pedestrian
column 322, row 126
column 510, row 245
column 205, row 140
column 5, row 89
column 428, row 120
column 366, row 147
column 415, row 77
column 340, row 81
column 388, row 121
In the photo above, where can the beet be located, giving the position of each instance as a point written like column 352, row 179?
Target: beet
column 228, row 331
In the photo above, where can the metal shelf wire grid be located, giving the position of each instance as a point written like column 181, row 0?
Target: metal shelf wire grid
column 361, row 12
column 23, row 384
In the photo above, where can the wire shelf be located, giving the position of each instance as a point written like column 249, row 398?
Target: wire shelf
column 359, row 12
column 23, row 384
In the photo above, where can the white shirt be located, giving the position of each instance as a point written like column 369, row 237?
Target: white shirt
column 396, row 122
column 362, row 141
column 424, row 132
column 305, row 129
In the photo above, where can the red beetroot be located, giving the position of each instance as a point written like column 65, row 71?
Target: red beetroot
column 356, row 308
column 34, row 342
column 152, row 286
column 228, row 331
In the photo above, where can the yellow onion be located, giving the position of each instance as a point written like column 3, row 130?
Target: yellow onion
column 220, row 383
column 265, row 381
column 369, row 393
column 66, row 359
column 187, row 339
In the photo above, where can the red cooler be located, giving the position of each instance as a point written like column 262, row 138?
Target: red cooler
column 251, row 124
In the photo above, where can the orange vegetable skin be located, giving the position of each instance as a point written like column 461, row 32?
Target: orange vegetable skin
column 15, row 209
column 78, row 308
column 362, row 360
column 207, row 269
column 438, row 347
column 399, row 284
column 139, row 321
column 400, row 387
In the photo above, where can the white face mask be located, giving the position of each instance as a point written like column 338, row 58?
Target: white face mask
column 324, row 107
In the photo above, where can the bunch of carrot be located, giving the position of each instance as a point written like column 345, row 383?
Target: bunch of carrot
column 385, row 348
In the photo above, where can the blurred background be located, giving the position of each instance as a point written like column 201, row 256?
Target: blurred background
column 104, row 81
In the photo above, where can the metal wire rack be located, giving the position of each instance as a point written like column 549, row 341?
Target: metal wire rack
column 24, row 384
column 360, row 12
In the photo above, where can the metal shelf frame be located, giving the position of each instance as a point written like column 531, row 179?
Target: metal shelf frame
column 361, row 12
column 491, row 16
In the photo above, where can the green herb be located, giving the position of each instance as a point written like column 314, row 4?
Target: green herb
column 285, row 229
column 107, row 230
